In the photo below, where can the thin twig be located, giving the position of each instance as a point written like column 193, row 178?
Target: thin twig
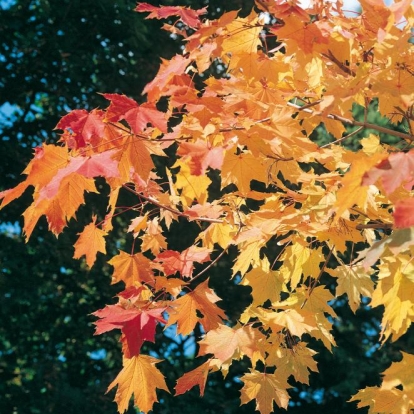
column 210, row 265
column 313, row 286
column 170, row 209
column 351, row 134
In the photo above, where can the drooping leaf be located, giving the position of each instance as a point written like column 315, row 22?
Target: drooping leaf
column 137, row 325
column 91, row 241
column 265, row 389
column 139, row 377
column 197, row 376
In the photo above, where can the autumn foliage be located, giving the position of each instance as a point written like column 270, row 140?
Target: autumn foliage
column 293, row 210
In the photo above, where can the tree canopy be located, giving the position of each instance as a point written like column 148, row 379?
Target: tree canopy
column 250, row 210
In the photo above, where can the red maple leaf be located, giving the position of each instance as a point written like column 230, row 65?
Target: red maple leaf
column 137, row 116
column 188, row 16
column 202, row 156
column 404, row 213
column 397, row 169
column 137, row 325
column 84, row 127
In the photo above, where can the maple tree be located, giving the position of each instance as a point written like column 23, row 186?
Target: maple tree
column 293, row 210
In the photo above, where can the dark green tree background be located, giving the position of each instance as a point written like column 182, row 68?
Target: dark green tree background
column 55, row 57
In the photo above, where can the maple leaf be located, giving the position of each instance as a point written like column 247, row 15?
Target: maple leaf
column 397, row 169
column 193, row 187
column 398, row 242
column 137, row 116
column 153, row 239
column 265, row 388
column 297, row 361
column 173, row 261
column 138, row 377
column 197, row 376
column 90, row 242
column 226, row 343
column 305, row 35
column 355, row 281
column 86, row 128
column 201, row 156
column 352, row 192
column 241, row 169
column 101, row 164
column 265, row 284
column 166, row 74
column 403, row 213
column 48, row 159
column 206, row 210
column 131, row 269
column 137, row 325
column 187, row 309
column 394, row 291
column 396, row 392
column 189, row 16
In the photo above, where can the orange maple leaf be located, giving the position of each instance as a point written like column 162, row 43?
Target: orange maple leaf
column 195, row 377
column 132, row 269
column 139, row 377
column 90, row 242
column 185, row 310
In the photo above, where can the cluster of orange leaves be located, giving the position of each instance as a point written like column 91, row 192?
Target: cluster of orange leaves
column 253, row 126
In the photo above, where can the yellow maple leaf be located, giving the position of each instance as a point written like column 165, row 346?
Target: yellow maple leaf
column 294, row 258
column 90, row 242
column 265, row 388
column 135, row 156
column 220, row 233
column 242, row 36
column 139, row 377
column 193, row 187
column 241, row 169
column 355, row 281
column 352, row 192
column 227, row 343
column 396, row 393
column 265, row 283
column 297, row 361
column 394, row 291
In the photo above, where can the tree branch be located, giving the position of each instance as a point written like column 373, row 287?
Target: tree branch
column 353, row 122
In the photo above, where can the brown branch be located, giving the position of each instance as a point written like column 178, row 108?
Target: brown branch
column 330, row 56
column 383, row 226
column 353, row 122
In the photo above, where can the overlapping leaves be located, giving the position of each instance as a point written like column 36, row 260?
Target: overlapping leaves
column 291, row 210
